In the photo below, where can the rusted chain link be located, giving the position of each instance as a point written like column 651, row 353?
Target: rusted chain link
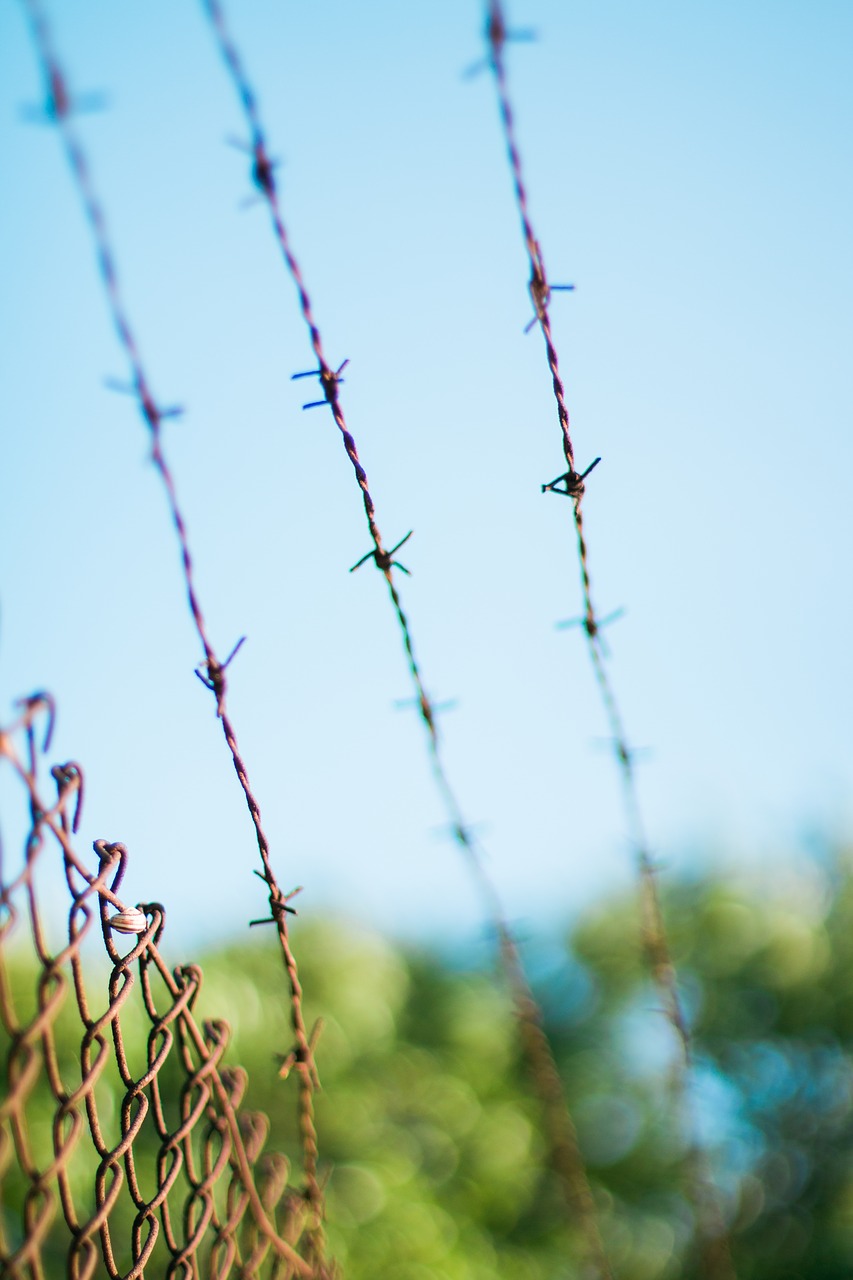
column 59, row 106
column 175, row 1179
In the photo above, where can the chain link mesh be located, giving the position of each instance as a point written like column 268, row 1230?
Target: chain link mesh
column 125, row 1148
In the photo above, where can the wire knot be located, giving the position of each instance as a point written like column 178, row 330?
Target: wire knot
column 58, row 97
column 570, row 484
column 263, row 169
column 211, row 672
column 384, row 560
column 58, row 102
column 330, row 380
column 153, row 413
column 541, row 290
column 279, row 905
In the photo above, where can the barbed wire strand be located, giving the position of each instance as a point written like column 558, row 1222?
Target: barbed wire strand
column 656, row 942
column 59, row 106
column 566, row 1157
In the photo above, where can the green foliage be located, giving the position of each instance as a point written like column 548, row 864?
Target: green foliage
column 437, row 1162
column 439, row 1165
column 767, row 974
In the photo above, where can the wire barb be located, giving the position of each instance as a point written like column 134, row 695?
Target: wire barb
column 497, row 35
column 572, row 482
column 591, row 625
column 214, row 679
column 542, row 300
column 303, row 1055
column 438, row 708
column 330, row 380
column 153, row 414
column 59, row 103
column 384, row 560
column 279, row 905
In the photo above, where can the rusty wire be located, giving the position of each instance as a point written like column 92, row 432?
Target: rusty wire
column 59, row 108
column 565, row 1153
column 172, row 1177
column 571, row 484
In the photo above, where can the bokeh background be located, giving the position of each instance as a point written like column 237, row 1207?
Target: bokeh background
column 435, row 1143
column 689, row 172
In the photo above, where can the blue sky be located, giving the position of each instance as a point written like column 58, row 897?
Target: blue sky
column 689, row 171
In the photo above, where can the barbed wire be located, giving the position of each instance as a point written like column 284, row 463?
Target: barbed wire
column 59, row 107
column 216, row 1195
column 571, row 484
column 566, row 1157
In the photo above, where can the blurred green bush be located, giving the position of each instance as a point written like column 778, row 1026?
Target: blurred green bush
column 437, row 1156
column 434, row 1148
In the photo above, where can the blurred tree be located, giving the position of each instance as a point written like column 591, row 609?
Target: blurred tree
column 767, row 974
column 437, row 1155
column 438, row 1163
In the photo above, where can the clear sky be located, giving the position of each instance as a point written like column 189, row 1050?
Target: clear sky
column 689, row 171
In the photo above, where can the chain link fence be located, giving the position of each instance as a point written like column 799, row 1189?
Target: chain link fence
column 125, row 1147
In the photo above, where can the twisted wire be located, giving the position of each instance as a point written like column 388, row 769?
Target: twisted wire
column 60, row 110
column 656, row 943
column 566, row 1156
